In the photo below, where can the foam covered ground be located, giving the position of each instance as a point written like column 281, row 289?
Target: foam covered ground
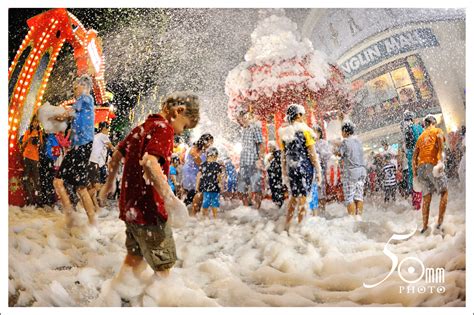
column 244, row 258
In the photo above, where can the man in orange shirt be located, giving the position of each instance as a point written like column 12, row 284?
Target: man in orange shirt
column 31, row 141
column 428, row 150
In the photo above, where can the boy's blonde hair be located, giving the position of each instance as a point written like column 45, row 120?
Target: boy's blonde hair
column 187, row 99
column 84, row 80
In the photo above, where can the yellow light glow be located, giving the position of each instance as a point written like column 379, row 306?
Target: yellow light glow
column 11, row 145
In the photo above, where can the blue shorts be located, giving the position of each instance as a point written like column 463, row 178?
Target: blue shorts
column 210, row 200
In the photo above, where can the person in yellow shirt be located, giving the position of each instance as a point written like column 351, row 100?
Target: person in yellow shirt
column 299, row 160
column 31, row 143
column 427, row 160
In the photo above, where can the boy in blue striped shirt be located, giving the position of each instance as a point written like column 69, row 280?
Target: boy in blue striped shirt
column 389, row 180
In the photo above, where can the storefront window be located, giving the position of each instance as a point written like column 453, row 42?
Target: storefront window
column 382, row 95
column 420, row 77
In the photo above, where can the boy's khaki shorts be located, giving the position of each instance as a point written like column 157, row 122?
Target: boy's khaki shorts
column 429, row 183
column 153, row 242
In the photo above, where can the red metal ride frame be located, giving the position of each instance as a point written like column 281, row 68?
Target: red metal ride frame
column 47, row 34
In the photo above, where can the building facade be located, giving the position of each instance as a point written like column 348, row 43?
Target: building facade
column 396, row 59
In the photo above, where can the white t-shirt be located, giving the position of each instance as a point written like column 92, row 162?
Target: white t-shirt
column 99, row 149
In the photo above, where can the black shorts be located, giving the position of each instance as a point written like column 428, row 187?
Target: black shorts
column 189, row 197
column 74, row 169
column 103, row 174
column 94, row 173
column 301, row 179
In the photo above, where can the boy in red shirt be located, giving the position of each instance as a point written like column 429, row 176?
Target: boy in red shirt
column 145, row 196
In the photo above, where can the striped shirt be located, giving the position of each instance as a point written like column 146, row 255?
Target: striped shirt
column 389, row 171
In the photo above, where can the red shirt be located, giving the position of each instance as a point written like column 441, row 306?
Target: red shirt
column 140, row 203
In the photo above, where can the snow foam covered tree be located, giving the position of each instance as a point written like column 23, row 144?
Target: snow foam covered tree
column 281, row 68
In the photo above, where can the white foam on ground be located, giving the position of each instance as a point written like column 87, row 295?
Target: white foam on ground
column 244, row 258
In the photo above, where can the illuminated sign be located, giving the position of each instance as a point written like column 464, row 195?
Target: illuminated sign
column 389, row 47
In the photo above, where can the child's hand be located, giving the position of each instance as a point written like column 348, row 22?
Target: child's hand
column 438, row 169
column 177, row 212
column 108, row 187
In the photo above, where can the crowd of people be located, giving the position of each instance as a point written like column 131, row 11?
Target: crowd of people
column 71, row 166
column 391, row 172
column 154, row 174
